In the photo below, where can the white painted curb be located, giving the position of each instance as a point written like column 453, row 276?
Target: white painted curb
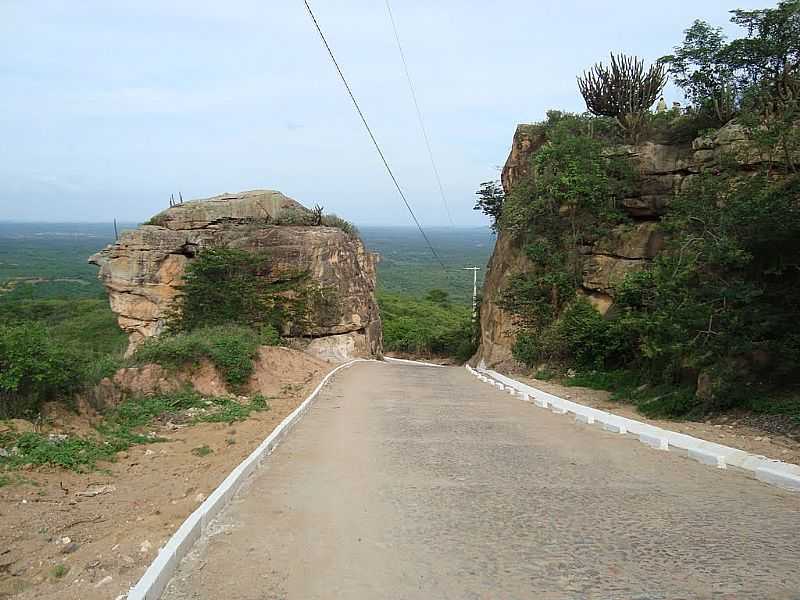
column 773, row 472
column 411, row 362
column 161, row 570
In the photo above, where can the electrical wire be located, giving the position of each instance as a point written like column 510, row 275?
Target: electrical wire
column 419, row 115
column 372, row 137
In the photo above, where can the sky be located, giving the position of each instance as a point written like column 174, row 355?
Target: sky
column 108, row 107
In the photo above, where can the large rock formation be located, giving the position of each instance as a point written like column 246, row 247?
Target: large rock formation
column 665, row 170
column 143, row 270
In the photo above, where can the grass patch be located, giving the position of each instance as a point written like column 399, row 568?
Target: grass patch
column 765, row 403
column 231, row 348
column 201, row 451
column 121, row 429
column 58, row 571
column 656, row 401
column 603, row 380
column 667, row 401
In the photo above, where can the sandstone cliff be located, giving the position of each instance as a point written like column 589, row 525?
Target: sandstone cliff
column 142, row 271
column 665, row 170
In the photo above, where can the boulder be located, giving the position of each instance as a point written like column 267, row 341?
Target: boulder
column 143, row 270
column 602, row 273
column 632, row 241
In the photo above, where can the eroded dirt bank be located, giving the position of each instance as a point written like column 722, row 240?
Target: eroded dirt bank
column 71, row 536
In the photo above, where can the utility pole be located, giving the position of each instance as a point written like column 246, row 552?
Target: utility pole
column 474, row 290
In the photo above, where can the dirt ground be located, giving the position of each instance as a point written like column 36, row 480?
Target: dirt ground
column 105, row 527
column 730, row 429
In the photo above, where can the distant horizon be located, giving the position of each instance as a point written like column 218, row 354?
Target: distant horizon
column 375, row 225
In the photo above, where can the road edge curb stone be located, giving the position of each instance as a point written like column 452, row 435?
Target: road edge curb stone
column 152, row 583
column 766, row 470
column 412, row 362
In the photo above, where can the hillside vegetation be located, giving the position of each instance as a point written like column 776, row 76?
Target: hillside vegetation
column 428, row 327
column 713, row 322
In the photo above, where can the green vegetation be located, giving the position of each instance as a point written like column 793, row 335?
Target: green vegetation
column 713, row 322
column 229, row 306
column 315, row 218
column 121, row 428
column 50, row 349
column 624, row 91
column 224, row 286
column 58, row 571
column 408, row 268
column 57, row 332
column 428, row 327
column 231, row 348
column 201, row 451
column 571, row 202
column 48, row 260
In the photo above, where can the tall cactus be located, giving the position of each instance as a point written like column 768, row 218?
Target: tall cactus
column 623, row 90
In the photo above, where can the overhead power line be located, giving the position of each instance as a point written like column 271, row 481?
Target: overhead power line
column 372, row 137
column 419, row 114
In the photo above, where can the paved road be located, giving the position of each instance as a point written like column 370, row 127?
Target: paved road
column 408, row 482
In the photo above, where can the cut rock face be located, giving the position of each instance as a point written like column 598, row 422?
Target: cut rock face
column 143, row 270
column 664, row 170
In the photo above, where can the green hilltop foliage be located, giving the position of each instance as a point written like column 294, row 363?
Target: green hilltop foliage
column 721, row 304
column 429, row 326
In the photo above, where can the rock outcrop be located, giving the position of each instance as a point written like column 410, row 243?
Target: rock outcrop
column 665, row 170
column 143, row 270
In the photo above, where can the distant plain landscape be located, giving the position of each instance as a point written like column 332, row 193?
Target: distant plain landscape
column 48, row 260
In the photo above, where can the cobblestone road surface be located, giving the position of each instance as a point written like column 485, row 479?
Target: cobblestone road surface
column 409, row 482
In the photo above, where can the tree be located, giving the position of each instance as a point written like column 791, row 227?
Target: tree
column 769, row 57
column 698, row 67
column 623, row 90
column 34, row 368
column 763, row 67
column 439, row 297
column 490, row 201
column 755, row 78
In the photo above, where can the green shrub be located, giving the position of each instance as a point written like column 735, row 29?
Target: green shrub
column 50, row 349
column 591, row 340
column 269, row 336
column 570, row 199
column 35, row 368
column 59, row 570
column 306, row 218
column 230, row 348
column 122, row 427
column 723, row 298
column 233, row 354
column 339, row 223
column 293, row 216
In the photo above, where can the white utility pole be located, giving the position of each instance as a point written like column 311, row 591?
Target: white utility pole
column 474, row 290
